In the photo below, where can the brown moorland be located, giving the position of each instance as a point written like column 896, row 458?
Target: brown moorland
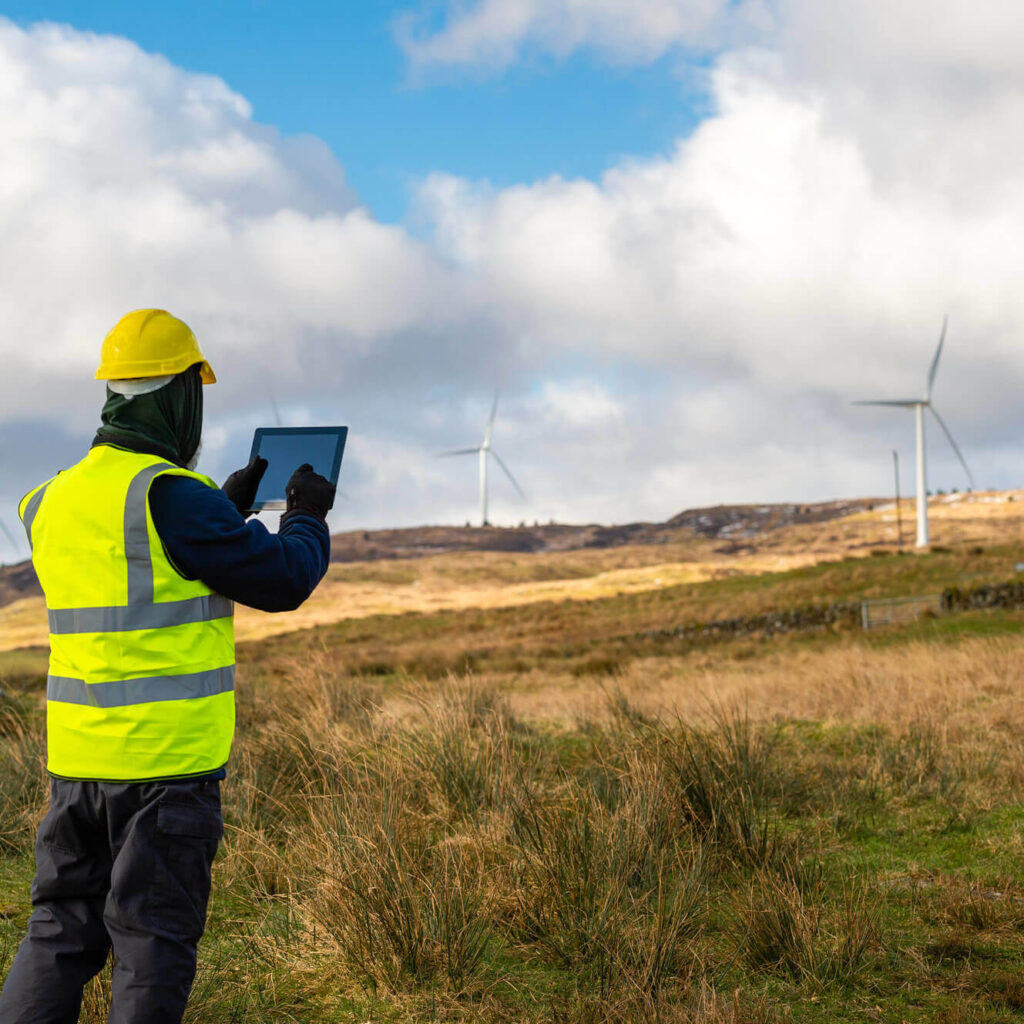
column 563, row 809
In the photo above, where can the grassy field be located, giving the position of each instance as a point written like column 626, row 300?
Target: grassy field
column 486, row 580
column 558, row 811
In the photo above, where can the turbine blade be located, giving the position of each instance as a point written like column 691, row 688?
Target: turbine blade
column 508, row 473
column 902, row 403
column 277, row 412
column 459, row 451
column 8, row 535
column 935, row 362
column 949, row 437
column 490, row 422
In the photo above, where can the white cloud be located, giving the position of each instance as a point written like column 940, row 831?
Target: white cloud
column 796, row 252
column 492, row 34
column 580, row 405
column 127, row 181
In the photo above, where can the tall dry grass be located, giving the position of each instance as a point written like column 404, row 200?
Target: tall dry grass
column 23, row 785
column 438, row 848
column 964, row 685
column 436, row 837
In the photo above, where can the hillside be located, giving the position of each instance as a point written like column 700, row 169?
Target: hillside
column 728, row 522
column 437, row 569
column 17, row 582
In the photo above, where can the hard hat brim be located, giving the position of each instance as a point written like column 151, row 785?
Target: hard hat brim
column 140, row 371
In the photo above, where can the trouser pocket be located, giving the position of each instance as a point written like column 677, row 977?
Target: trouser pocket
column 161, row 879
column 187, row 835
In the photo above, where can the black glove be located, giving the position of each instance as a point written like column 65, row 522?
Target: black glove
column 308, row 493
column 242, row 485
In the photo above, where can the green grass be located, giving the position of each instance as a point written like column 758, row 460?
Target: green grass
column 951, row 628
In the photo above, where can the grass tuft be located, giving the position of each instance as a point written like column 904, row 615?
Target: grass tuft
column 724, row 777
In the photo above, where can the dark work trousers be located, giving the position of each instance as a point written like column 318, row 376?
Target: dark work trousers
column 123, row 866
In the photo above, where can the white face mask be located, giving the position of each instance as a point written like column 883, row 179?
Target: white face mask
column 194, row 461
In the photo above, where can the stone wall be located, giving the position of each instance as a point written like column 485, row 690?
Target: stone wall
column 986, row 595
column 839, row 615
column 811, row 618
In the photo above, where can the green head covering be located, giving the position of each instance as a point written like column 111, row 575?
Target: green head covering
column 167, row 422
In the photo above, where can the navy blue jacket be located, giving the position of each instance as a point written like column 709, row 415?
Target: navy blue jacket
column 207, row 539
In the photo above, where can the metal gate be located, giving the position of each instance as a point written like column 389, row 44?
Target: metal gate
column 898, row 611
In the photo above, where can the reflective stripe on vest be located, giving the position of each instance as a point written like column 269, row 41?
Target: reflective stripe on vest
column 140, row 691
column 31, row 509
column 141, row 687
column 118, row 619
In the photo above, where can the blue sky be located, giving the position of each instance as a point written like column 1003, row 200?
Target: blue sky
column 334, row 70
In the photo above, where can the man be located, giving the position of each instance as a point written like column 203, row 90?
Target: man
column 140, row 559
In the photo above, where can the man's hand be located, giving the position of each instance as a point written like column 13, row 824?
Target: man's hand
column 242, row 485
column 308, row 492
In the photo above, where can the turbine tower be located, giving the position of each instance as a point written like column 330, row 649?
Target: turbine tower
column 919, row 405
column 482, row 451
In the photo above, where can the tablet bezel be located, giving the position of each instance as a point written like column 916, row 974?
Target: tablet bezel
column 341, row 433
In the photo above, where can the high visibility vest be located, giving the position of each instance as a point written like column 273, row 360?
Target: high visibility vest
column 142, row 660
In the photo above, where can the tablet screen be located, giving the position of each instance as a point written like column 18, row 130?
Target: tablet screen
column 287, row 448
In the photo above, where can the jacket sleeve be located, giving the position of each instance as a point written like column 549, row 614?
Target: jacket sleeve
column 207, row 539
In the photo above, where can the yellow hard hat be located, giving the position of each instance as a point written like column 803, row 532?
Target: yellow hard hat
column 151, row 343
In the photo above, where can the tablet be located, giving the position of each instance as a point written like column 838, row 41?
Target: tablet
column 287, row 448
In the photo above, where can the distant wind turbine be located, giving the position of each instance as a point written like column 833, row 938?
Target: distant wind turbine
column 483, row 450
column 919, row 405
column 9, row 536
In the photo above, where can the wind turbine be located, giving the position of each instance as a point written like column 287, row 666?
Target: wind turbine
column 482, row 451
column 10, row 537
column 919, row 405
